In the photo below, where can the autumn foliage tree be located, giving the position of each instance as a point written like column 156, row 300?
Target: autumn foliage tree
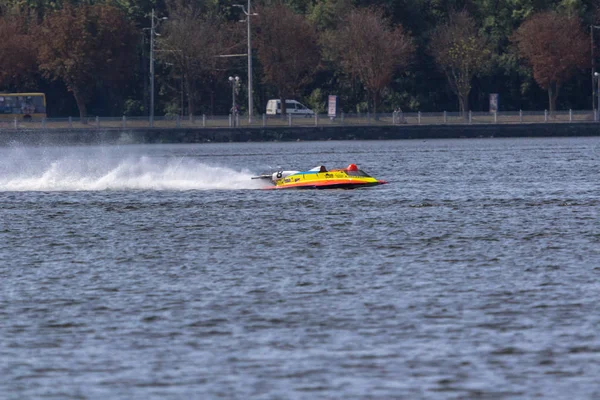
column 287, row 49
column 555, row 47
column 83, row 45
column 18, row 63
column 461, row 53
column 194, row 41
column 366, row 46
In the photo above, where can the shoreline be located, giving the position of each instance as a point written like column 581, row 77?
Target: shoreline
column 95, row 136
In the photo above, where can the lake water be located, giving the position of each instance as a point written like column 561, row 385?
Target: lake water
column 162, row 272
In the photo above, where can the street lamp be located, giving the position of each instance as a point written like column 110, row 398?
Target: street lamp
column 597, row 77
column 592, row 27
column 235, row 87
column 250, row 102
column 153, row 25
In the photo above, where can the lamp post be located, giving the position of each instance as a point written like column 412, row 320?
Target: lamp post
column 592, row 27
column 597, row 77
column 235, row 86
column 250, row 100
column 153, row 33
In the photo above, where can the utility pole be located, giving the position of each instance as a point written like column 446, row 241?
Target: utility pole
column 592, row 27
column 235, row 86
column 250, row 98
column 151, row 114
column 597, row 77
column 152, row 34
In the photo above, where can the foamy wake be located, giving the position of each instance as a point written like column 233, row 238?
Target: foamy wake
column 141, row 173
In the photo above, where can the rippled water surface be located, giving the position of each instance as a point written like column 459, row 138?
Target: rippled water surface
column 141, row 272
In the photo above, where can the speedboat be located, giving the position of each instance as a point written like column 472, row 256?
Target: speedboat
column 320, row 178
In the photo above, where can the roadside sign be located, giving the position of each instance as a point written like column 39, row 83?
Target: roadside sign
column 332, row 106
column 493, row 102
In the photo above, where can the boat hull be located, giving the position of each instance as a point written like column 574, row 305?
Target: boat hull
column 346, row 186
column 337, row 179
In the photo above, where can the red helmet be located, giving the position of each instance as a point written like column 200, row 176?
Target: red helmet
column 352, row 167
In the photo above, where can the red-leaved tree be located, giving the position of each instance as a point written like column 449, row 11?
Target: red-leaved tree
column 287, row 49
column 555, row 47
column 18, row 63
column 81, row 45
column 367, row 46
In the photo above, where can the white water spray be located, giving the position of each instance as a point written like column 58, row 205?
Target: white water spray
column 26, row 170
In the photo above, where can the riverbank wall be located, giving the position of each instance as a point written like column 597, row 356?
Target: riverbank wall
column 78, row 136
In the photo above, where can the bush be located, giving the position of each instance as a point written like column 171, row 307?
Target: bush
column 133, row 108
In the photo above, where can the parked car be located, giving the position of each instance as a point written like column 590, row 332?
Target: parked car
column 292, row 107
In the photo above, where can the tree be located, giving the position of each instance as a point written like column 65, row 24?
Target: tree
column 193, row 41
column 81, row 45
column 18, row 64
column 367, row 47
column 555, row 47
column 327, row 14
column 461, row 53
column 287, row 49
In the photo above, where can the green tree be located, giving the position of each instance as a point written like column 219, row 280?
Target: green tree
column 328, row 14
column 461, row 53
column 81, row 45
column 32, row 7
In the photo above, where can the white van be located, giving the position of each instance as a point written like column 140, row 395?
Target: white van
column 292, row 107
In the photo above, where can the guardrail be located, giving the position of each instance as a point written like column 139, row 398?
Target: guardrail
column 266, row 121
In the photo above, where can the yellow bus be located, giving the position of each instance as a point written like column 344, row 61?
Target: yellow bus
column 25, row 106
